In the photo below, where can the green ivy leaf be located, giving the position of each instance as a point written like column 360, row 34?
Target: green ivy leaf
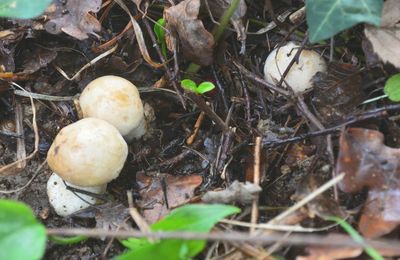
column 193, row 218
column 205, row 87
column 23, row 9
column 21, row 235
column 325, row 18
column 392, row 88
column 189, row 85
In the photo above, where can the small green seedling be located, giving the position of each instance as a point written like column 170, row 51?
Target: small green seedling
column 23, row 9
column 204, row 87
column 159, row 31
column 391, row 90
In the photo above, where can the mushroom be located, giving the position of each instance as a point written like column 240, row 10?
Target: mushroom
column 66, row 202
column 300, row 75
column 117, row 101
column 89, row 152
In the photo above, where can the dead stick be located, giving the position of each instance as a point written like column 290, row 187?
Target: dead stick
column 256, row 180
column 199, row 101
column 196, row 129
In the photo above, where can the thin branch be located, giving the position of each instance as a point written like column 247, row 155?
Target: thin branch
column 333, row 240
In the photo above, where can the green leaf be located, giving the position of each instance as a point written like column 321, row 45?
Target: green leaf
column 189, row 85
column 159, row 30
column 21, row 235
column 325, row 18
column 193, row 218
column 392, row 88
column 23, row 9
column 205, row 87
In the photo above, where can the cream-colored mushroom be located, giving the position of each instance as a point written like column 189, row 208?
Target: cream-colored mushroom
column 117, row 101
column 300, row 74
column 66, row 202
column 89, row 152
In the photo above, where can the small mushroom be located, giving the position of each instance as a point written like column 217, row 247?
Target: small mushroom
column 117, row 101
column 300, row 74
column 66, row 202
column 89, row 152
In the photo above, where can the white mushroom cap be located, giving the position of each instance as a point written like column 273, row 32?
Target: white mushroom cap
column 117, row 101
column 89, row 152
column 64, row 201
column 300, row 74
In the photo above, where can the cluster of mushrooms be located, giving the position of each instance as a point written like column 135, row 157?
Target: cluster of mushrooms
column 91, row 152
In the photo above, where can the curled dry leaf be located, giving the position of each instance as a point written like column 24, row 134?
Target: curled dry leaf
column 197, row 43
column 367, row 162
column 161, row 194
column 386, row 39
column 77, row 22
column 237, row 192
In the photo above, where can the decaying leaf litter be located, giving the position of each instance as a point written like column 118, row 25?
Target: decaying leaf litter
column 306, row 139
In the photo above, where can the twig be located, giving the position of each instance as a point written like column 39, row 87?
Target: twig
column 139, row 220
column 307, row 199
column 92, row 62
column 7, row 167
column 375, row 113
column 259, row 80
column 278, row 227
column 199, row 101
column 19, row 128
column 43, row 97
column 257, row 158
column 336, row 240
column 196, row 129
column 28, row 183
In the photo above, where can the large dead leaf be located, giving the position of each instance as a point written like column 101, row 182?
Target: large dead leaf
column 385, row 40
column 162, row 193
column 197, row 43
column 367, row 162
column 77, row 22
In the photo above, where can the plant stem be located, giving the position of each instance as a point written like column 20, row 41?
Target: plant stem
column 217, row 32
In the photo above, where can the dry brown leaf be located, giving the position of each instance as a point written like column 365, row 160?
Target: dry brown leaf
column 177, row 190
column 77, row 22
column 385, row 40
column 367, row 162
column 139, row 36
column 197, row 43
